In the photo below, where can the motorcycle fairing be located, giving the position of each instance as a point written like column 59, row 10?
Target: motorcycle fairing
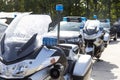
column 93, row 36
column 16, row 50
column 20, row 38
column 91, row 27
column 90, row 31
column 30, row 65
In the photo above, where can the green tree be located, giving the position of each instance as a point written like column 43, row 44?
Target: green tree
column 102, row 8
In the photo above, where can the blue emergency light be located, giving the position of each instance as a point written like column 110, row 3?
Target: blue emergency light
column 59, row 7
column 65, row 18
column 47, row 41
column 84, row 18
column 81, row 27
column 95, row 16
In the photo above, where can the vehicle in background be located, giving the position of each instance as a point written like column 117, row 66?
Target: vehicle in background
column 79, row 65
column 113, row 33
column 116, row 25
column 7, row 17
column 70, row 31
column 111, row 29
column 94, row 37
column 105, row 23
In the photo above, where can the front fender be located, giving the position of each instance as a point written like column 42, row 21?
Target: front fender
column 41, row 75
column 106, row 37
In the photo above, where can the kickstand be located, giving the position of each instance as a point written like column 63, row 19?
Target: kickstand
column 99, row 60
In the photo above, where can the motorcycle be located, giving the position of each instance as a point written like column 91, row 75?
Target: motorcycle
column 78, row 67
column 23, row 55
column 95, row 38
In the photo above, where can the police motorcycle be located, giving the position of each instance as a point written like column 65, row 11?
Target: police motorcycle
column 94, row 38
column 78, row 66
column 105, row 23
column 23, row 57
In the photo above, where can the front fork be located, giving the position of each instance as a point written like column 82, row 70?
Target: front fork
column 106, row 39
column 90, row 49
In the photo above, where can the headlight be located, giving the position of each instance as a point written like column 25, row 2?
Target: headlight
column 47, row 41
column 16, row 70
column 73, row 40
column 20, row 70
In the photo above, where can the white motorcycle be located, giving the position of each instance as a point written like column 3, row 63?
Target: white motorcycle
column 23, row 57
column 79, row 66
column 95, row 38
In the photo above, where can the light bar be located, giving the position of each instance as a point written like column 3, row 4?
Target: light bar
column 74, row 19
column 84, row 18
column 49, row 41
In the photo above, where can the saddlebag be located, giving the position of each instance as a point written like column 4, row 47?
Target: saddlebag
column 83, row 67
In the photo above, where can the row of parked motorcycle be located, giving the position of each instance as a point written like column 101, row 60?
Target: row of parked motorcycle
column 30, row 49
column 92, row 36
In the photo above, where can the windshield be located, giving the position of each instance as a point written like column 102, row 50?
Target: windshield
column 92, row 27
column 28, row 25
column 21, row 36
column 69, row 26
column 92, row 24
column 2, row 29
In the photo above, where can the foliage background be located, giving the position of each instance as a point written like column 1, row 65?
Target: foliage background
column 101, row 8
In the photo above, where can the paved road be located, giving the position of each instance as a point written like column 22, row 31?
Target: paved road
column 109, row 67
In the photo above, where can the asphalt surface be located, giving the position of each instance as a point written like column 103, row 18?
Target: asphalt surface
column 109, row 66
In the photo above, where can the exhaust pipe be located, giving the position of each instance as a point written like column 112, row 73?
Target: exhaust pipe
column 56, row 71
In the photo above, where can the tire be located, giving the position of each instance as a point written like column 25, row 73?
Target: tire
column 106, row 45
column 115, row 38
column 98, row 54
column 99, row 51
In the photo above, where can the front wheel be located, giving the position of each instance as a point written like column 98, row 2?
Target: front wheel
column 115, row 38
column 106, row 45
column 99, row 51
column 90, row 51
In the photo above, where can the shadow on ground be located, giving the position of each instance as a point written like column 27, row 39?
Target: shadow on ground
column 102, row 71
column 114, row 42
